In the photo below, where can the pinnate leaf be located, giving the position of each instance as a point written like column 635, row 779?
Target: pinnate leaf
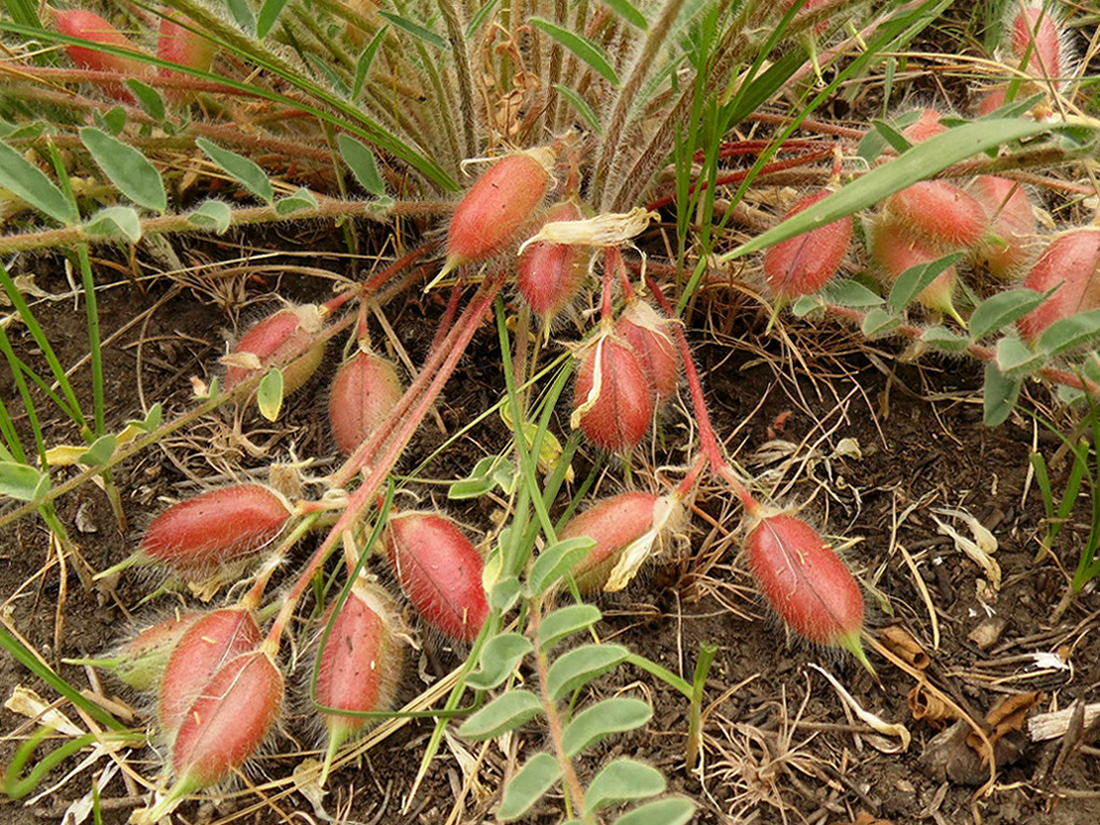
column 498, row 660
column 30, row 183
column 505, row 713
column 565, row 622
column 610, row 716
column 127, row 168
column 624, row 780
column 578, row 667
column 526, row 788
column 675, row 810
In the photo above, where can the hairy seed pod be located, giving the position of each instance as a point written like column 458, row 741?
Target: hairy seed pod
column 498, row 206
column 612, row 402
column 440, row 571
column 360, row 665
column 228, row 722
column 1036, row 38
column 939, row 212
column 1012, row 221
column 364, row 392
column 181, row 43
column 204, row 649
column 895, row 251
column 1071, row 263
column 140, row 662
column 221, row 526
column 95, row 29
column 287, row 339
column 626, row 529
column 806, row 583
column 806, row 263
column 928, row 125
column 647, row 332
column 550, row 275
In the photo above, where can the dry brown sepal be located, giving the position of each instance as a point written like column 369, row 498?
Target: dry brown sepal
column 904, row 646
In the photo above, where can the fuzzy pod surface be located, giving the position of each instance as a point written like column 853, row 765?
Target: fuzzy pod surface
column 805, row 582
column 806, row 263
column 218, row 527
column 895, row 251
column 1012, row 220
column 360, row 665
column 364, row 392
column 495, row 209
column 1036, row 38
column 229, row 721
column 647, row 332
column 205, row 648
column 180, row 42
column 286, row 339
column 440, row 571
column 939, row 212
column 614, row 524
column 549, row 275
column 612, row 401
column 1071, row 263
column 90, row 26
column 141, row 661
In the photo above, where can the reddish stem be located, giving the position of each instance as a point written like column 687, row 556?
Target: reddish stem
column 364, row 496
column 709, row 443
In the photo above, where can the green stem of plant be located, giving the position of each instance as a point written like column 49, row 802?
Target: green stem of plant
column 707, row 652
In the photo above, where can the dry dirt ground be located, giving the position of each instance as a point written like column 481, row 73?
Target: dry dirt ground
column 873, row 448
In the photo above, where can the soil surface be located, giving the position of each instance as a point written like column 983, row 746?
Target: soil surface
column 877, row 452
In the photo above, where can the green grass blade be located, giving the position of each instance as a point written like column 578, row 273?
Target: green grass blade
column 269, row 16
column 582, row 47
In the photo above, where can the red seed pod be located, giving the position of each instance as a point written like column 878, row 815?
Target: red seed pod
column 612, row 402
column 625, row 528
column 141, row 661
column 286, row 339
column 92, row 27
column 1012, row 221
column 180, row 43
column 440, row 571
column 896, row 251
column 361, row 663
column 928, row 125
column 806, row 263
column 1072, row 261
column 648, row 335
column 498, row 206
column 549, row 275
column 206, row 647
column 195, row 536
column 806, row 583
column 364, row 392
column 1037, row 39
column 228, row 722
column 939, row 212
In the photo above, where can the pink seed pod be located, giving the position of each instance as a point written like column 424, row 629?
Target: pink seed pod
column 360, row 665
column 806, row 583
column 211, row 642
column 178, row 43
column 1012, row 221
column 806, row 263
column 550, row 275
column 612, row 401
column 1036, row 38
column 364, row 392
column 440, row 571
column 895, row 251
column 228, row 722
column 92, row 27
column 939, row 212
column 141, row 661
column 625, row 528
column 287, row 339
column 928, row 125
column 218, row 527
column 504, row 200
column 1073, row 261
column 647, row 333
